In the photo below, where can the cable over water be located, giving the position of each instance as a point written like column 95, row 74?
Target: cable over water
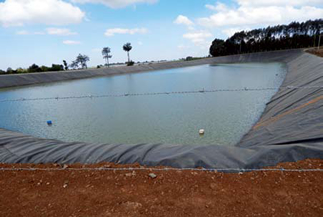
column 159, row 93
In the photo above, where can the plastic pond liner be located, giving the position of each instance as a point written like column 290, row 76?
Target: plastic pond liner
column 170, row 106
column 290, row 129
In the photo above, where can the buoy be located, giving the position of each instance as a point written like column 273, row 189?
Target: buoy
column 201, row 131
column 49, row 123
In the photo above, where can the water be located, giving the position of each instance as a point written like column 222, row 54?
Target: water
column 172, row 119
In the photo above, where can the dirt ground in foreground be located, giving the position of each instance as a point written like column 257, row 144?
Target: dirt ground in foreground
column 171, row 193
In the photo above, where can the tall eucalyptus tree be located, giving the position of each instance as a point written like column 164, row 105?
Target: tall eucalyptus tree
column 106, row 54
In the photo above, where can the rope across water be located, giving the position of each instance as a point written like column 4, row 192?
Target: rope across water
column 158, row 93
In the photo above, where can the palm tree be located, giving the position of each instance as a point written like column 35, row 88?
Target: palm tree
column 127, row 47
column 106, row 54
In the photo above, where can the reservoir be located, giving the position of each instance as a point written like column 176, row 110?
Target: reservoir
column 225, row 115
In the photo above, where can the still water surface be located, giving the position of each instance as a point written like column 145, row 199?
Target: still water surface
column 173, row 119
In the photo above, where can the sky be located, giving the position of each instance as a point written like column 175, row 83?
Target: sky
column 49, row 31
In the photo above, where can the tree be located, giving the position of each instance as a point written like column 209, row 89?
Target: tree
column 189, row 58
column 82, row 59
column 127, row 47
column 56, row 67
column 34, row 68
column 65, row 65
column 74, row 64
column 294, row 35
column 106, row 54
column 45, row 68
column 21, row 70
column 217, row 48
column 9, row 70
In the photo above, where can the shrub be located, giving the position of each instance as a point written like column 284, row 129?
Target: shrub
column 56, row 67
column 34, row 68
column 10, row 70
column 21, row 70
column 189, row 58
column 45, row 68
column 131, row 63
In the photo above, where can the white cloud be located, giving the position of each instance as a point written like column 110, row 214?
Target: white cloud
column 183, row 47
column 262, row 12
column 199, row 38
column 183, row 20
column 39, row 33
column 97, row 50
column 112, row 32
column 70, row 42
column 22, row 32
column 116, row 3
column 51, row 12
column 49, row 31
column 197, row 35
column 254, row 3
column 230, row 32
column 218, row 7
column 61, row 32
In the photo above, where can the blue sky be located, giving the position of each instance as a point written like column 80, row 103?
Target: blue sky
column 48, row 31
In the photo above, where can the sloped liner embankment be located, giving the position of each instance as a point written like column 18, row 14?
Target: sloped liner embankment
column 290, row 129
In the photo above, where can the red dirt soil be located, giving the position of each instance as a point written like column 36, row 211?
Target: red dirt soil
column 171, row 193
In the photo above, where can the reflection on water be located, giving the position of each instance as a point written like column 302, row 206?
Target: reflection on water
column 173, row 119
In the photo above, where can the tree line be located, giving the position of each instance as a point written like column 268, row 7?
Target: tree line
column 33, row 68
column 80, row 62
column 294, row 35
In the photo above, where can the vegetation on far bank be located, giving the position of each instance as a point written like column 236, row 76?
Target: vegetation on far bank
column 280, row 37
column 81, row 61
column 294, row 35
